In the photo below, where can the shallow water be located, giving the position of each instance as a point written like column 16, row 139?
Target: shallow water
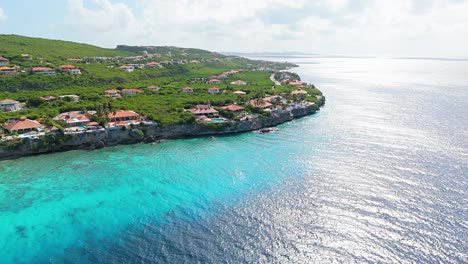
column 378, row 175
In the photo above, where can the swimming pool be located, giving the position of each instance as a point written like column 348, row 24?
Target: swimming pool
column 218, row 120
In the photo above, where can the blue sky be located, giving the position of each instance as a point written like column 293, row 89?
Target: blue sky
column 348, row 27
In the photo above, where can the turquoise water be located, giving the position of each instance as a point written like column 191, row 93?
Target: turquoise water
column 378, row 175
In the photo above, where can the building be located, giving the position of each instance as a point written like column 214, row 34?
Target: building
column 239, row 82
column 71, row 97
column 23, row 125
column 187, row 90
column 8, row 71
column 75, row 71
column 48, row 98
column 73, row 118
column 296, row 83
column 123, row 115
column 70, row 69
column 4, row 61
column 131, row 91
column 239, row 92
column 205, row 110
column 43, row 71
column 27, row 56
column 153, row 88
column 298, row 91
column 213, row 90
column 112, row 93
column 8, row 105
column 260, row 104
column 214, row 81
column 152, row 64
column 127, row 68
column 234, row 108
column 75, row 59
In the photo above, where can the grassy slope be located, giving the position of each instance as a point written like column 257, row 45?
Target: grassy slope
column 14, row 45
column 165, row 106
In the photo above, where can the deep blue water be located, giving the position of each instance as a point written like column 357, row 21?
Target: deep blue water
column 378, row 175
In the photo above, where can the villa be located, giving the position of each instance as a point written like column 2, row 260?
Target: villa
column 260, row 104
column 234, row 108
column 124, row 115
column 4, row 61
column 153, row 88
column 152, row 64
column 239, row 92
column 188, row 90
column 23, row 125
column 75, row 59
column 27, row 56
column 71, row 97
column 43, row 71
column 48, row 98
column 9, row 105
column 127, row 68
column 8, row 71
column 298, row 91
column 239, row 82
column 70, row 69
column 74, row 118
column 131, row 91
column 112, row 93
column 205, row 110
column 214, row 81
column 213, row 90
column 296, row 83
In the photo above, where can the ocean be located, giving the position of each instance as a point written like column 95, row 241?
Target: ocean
column 379, row 174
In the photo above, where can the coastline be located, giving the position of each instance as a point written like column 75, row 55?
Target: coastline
column 148, row 134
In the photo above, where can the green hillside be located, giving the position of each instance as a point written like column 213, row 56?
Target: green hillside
column 13, row 46
column 180, row 67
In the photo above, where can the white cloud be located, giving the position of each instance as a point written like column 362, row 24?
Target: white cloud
column 3, row 17
column 399, row 27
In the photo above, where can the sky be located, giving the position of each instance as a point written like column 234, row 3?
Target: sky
column 424, row 28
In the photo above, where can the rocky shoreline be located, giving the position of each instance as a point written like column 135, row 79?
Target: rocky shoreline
column 147, row 134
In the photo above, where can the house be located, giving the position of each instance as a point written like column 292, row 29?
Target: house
column 298, row 91
column 8, row 105
column 69, row 68
column 234, row 108
column 71, row 97
column 187, row 90
column 23, row 125
column 260, row 104
column 112, row 93
column 27, row 56
column 239, row 92
column 4, row 61
column 206, row 110
column 8, row 71
column 272, row 99
column 75, row 59
column 131, row 91
column 73, row 118
column 75, row 71
column 123, row 115
column 239, row 82
column 296, row 83
column 152, row 64
column 127, row 68
column 43, row 71
column 153, row 88
column 214, row 81
column 213, row 90
column 48, row 98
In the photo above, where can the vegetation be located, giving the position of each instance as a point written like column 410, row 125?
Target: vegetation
column 166, row 106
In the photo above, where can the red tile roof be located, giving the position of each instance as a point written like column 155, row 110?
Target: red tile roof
column 3, row 59
column 67, row 67
column 298, row 91
column 23, row 124
column 203, row 110
column 131, row 90
column 233, row 107
column 123, row 114
column 261, row 104
column 38, row 69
